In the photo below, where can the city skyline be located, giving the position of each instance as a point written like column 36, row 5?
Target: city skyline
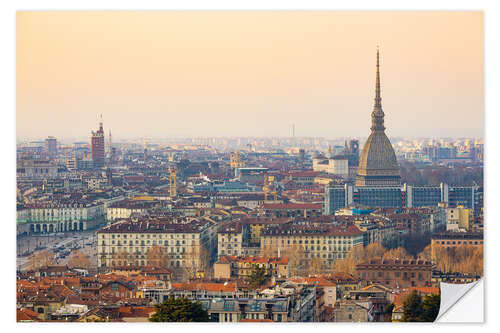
column 250, row 80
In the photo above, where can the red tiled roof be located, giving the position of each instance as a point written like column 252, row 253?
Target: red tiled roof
column 24, row 314
column 291, row 206
column 318, row 281
column 136, row 311
column 207, row 286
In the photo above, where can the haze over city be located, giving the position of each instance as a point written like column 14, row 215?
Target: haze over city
column 192, row 74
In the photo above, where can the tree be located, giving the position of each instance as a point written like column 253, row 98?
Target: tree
column 412, row 307
column 123, row 258
column 388, row 312
column 258, row 277
column 316, row 266
column 430, row 307
column 80, row 260
column 415, row 243
column 197, row 259
column 157, row 256
column 426, row 253
column 416, row 309
column 179, row 310
column 397, row 253
column 465, row 259
column 347, row 265
column 41, row 259
column 374, row 251
column 295, row 254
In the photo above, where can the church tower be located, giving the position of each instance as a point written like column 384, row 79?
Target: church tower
column 378, row 164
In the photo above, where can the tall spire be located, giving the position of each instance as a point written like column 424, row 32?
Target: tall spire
column 377, row 114
column 378, row 99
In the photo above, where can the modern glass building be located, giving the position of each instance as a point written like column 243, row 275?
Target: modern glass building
column 337, row 197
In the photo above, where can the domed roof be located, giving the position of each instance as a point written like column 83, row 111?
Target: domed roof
column 378, row 164
column 378, row 156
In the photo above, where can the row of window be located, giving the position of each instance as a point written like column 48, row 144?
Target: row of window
column 276, row 241
column 387, row 275
column 145, row 250
column 148, row 242
column 459, row 242
column 183, row 236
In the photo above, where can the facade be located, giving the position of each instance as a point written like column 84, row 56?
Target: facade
column 337, row 165
column 278, row 210
column 326, row 243
column 256, row 225
column 225, row 302
column 456, row 239
column 125, row 208
column 51, row 146
column 48, row 218
column 230, row 238
column 38, row 169
column 340, row 196
column 183, row 243
column 378, row 164
column 241, row 267
column 97, row 147
column 396, row 273
column 245, row 175
column 458, row 219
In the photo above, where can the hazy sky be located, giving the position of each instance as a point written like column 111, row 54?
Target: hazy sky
column 180, row 74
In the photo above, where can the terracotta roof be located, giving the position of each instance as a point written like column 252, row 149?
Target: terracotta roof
column 24, row 314
column 207, row 286
column 323, row 230
column 254, row 259
column 317, row 281
column 136, row 311
column 291, row 206
column 392, row 262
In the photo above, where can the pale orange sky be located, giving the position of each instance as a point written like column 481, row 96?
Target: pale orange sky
column 181, row 74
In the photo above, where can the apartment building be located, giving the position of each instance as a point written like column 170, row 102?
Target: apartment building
column 125, row 208
column 396, row 273
column 241, row 267
column 60, row 216
column 128, row 243
column 326, row 243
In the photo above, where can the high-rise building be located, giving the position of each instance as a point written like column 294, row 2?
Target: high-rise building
column 377, row 163
column 97, row 147
column 51, row 146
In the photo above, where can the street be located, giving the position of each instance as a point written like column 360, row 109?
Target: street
column 61, row 244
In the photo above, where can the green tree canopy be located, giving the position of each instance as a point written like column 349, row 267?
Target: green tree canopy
column 180, row 310
column 430, row 307
column 412, row 307
column 422, row 310
column 258, row 277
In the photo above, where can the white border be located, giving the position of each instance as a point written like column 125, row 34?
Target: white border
column 7, row 12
